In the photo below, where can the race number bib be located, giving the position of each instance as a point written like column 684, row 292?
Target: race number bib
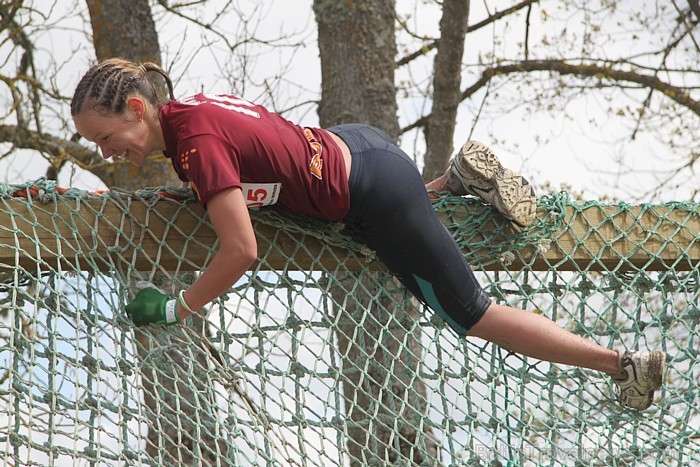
column 260, row 194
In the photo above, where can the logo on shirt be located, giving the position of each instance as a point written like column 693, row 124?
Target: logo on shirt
column 185, row 164
column 316, row 164
column 185, row 159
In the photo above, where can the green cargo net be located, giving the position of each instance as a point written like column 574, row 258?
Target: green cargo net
column 318, row 357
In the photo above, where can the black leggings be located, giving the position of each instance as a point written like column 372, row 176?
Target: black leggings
column 390, row 206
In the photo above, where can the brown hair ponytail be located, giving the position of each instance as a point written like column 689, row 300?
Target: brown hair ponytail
column 106, row 86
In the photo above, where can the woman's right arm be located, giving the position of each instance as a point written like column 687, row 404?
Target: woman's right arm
column 238, row 249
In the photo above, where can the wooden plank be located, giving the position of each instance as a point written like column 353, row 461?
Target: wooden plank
column 658, row 237
column 109, row 234
column 104, row 235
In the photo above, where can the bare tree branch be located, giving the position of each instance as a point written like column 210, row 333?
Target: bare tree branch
column 59, row 149
column 598, row 72
column 491, row 19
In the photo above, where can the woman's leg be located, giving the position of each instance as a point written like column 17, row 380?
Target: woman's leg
column 390, row 205
column 536, row 336
column 637, row 374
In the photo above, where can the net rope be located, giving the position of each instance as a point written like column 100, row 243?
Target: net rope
column 331, row 365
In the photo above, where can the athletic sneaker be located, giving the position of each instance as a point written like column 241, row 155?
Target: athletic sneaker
column 475, row 170
column 640, row 375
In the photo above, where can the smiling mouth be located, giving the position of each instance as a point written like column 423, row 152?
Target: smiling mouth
column 121, row 155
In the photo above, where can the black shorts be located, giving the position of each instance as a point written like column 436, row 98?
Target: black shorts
column 389, row 205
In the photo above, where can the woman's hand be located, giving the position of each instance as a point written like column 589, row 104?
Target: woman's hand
column 150, row 306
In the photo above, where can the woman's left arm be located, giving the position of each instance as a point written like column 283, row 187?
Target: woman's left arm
column 238, row 249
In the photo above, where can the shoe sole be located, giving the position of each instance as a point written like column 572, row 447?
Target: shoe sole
column 655, row 367
column 518, row 204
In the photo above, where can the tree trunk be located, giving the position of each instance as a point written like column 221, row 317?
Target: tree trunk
column 125, row 29
column 384, row 397
column 175, row 394
column 358, row 57
column 446, row 87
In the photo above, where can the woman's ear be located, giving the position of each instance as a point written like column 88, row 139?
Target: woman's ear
column 137, row 106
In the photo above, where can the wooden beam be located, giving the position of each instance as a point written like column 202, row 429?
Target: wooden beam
column 107, row 234
column 622, row 237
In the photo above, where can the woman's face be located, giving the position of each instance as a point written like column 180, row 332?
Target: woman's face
column 124, row 136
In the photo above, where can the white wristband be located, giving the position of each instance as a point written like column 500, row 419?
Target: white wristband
column 183, row 303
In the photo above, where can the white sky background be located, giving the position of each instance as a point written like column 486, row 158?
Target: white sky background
column 599, row 161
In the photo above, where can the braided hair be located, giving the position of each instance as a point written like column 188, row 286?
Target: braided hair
column 107, row 86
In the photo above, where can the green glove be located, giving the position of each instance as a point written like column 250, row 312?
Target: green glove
column 153, row 307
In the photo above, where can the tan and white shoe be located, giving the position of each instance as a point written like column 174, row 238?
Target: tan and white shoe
column 641, row 373
column 475, row 170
